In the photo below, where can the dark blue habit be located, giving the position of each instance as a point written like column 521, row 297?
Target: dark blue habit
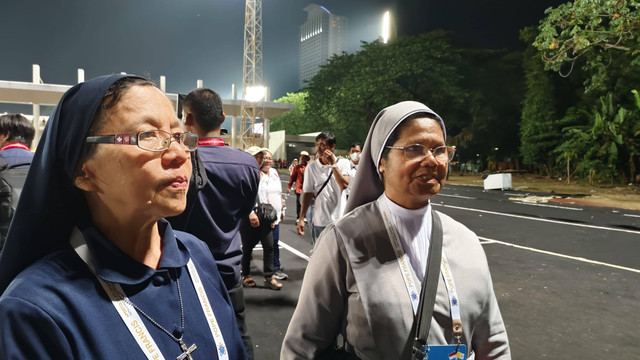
column 56, row 309
column 52, row 306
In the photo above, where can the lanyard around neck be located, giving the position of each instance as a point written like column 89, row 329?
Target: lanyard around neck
column 130, row 316
column 15, row 146
column 210, row 142
column 410, row 282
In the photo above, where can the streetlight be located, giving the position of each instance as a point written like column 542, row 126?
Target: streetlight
column 385, row 27
column 255, row 93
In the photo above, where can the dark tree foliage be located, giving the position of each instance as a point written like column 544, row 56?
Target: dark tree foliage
column 346, row 95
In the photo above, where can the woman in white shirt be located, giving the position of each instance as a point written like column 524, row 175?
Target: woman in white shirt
column 271, row 188
column 269, row 192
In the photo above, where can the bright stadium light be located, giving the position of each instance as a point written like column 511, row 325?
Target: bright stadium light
column 385, row 27
column 255, row 93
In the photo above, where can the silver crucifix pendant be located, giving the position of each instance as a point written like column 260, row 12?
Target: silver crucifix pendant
column 186, row 353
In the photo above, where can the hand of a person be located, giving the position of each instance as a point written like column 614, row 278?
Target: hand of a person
column 300, row 227
column 328, row 156
column 273, row 224
column 254, row 221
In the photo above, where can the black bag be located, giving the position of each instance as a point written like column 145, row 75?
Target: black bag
column 266, row 213
column 336, row 353
column 198, row 180
column 11, row 182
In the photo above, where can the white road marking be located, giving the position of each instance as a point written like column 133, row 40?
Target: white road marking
column 458, row 196
column 550, row 206
column 487, row 240
column 538, row 219
column 631, row 215
column 294, row 251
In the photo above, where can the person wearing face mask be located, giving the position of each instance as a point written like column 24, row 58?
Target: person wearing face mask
column 354, row 158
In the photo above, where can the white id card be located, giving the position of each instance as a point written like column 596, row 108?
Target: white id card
column 447, row 352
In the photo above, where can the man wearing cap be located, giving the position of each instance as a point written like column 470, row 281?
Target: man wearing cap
column 258, row 153
column 297, row 176
column 228, row 196
column 325, row 180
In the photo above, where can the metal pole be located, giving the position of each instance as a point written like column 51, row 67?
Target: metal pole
column 265, row 132
column 163, row 83
column 36, row 107
column 233, row 118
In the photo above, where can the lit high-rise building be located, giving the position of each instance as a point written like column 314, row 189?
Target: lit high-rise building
column 321, row 36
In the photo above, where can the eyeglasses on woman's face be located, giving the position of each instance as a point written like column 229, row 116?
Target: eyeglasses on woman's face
column 416, row 152
column 153, row 140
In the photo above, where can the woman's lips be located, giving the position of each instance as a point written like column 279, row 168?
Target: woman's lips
column 427, row 178
column 179, row 183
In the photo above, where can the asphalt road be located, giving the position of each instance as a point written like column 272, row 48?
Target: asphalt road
column 567, row 278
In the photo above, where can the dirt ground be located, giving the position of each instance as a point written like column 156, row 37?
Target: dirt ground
column 625, row 197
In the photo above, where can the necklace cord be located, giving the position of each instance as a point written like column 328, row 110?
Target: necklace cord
column 178, row 340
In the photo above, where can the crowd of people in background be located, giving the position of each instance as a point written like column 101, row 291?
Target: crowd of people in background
column 146, row 227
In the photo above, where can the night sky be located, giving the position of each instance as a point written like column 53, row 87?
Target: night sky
column 186, row 40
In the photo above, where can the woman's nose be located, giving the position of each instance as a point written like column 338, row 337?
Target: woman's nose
column 176, row 152
column 429, row 159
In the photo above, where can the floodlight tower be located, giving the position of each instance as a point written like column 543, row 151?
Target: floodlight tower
column 253, row 91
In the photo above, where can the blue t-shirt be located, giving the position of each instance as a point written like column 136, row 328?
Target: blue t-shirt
column 57, row 309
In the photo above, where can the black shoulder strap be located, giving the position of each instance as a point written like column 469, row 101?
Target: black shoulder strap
column 325, row 183
column 429, row 288
column 198, row 181
column 19, row 164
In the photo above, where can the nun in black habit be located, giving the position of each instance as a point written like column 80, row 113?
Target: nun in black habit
column 90, row 268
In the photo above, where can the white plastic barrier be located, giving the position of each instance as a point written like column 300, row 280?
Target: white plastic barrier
column 498, row 181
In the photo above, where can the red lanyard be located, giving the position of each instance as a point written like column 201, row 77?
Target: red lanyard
column 210, row 142
column 15, row 146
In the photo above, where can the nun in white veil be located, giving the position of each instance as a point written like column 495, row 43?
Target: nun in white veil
column 354, row 285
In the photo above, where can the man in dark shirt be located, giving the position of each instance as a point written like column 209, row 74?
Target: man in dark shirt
column 16, row 135
column 228, row 196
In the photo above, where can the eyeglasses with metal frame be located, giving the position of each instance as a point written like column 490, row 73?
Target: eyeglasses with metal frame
column 442, row 154
column 152, row 140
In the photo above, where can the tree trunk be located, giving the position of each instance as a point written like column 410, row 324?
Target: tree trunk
column 547, row 170
column 632, row 169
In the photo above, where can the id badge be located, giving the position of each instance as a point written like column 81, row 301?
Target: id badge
column 447, row 352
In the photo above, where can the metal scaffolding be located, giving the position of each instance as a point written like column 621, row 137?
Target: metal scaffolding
column 252, row 107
